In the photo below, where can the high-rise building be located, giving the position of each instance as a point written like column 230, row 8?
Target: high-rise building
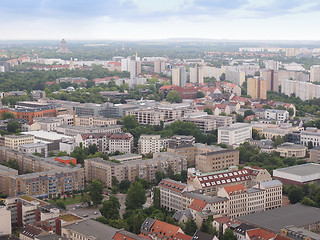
column 159, row 66
column 196, row 74
column 132, row 65
column 272, row 78
column 257, row 88
column 315, row 73
column 179, row 76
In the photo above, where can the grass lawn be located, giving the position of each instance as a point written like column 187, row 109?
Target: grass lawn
column 68, row 201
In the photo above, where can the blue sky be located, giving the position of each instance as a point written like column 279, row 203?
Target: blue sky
column 160, row 19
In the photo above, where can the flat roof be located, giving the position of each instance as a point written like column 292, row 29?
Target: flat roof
column 276, row 219
column 219, row 152
column 46, row 135
column 301, row 170
column 235, row 126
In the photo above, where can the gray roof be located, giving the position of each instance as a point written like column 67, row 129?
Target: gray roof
column 276, row 219
column 301, row 170
column 208, row 199
column 147, row 224
column 301, row 233
column 242, row 229
column 93, row 228
column 272, row 183
column 202, row 236
column 51, row 237
column 179, row 214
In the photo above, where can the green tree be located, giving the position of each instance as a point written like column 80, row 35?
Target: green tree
column 248, row 113
column 7, row 115
column 295, row 195
column 111, row 208
column 255, row 134
column 130, row 122
column 190, row 227
column 228, row 235
column 124, row 185
column 199, row 94
column 222, row 77
column 278, row 140
column 93, row 149
column 173, row 97
column 95, row 192
column 135, row 219
column 170, row 172
column 291, row 111
column 5, row 101
column 310, row 145
column 208, row 110
column 61, row 204
column 309, row 202
column 13, row 126
column 239, row 118
column 160, row 176
column 136, row 196
column 114, row 182
column 156, row 198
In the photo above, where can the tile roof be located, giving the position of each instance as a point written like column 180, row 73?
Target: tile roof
column 163, row 229
column 235, row 189
column 222, row 219
column 260, row 234
column 172, row 185
column 217, row 179
column 198, row 205
column 181, row 236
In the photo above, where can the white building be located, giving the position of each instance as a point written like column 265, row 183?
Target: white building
column 315, row 73
column 234, row 134
column 310, row 135
column 278, row 115
column 179, row 76
column 151, row 144
column 32, row 148
column 196, row 74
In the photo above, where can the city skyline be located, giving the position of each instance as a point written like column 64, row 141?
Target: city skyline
column 153, row 19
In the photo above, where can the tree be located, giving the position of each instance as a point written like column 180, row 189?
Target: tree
column 124, row 185
column 136, row 196
column 239, row 118
column 95, row 192
column 190, row 227
column 222, row 77
column 93, row 149
column 248, row 113
column 255, row 134
column 114, row 181
column 170, row 172
column 278, row 140
column 257, row 73
column 7, row 115
column 130, row 122
column 310, row 145
column 5, row 101
column 173, row 97
column 228, row 235
column 295, row 195
column 135, row 219
column 208, row 110
column 160, row 176
column 199, row 94
column 156, row 198
column 309, row 202
column 61, row 204
column 291, row 111
column 13, row 126
column 111, row 209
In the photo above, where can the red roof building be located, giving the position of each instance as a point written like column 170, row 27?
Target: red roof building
column 259, row 234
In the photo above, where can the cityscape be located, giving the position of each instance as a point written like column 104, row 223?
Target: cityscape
column 160, row 120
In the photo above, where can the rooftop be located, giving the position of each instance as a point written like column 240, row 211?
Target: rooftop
column 235, row 126
column 297, row 215
column 46, row 135
column 301, row 170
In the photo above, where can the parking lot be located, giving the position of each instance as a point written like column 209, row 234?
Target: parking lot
column 84, row 211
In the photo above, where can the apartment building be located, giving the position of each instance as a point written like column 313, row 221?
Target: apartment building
column 151, row 144
column 5, row 221
column 122, row 142
column 234, row 134
column 94, row 121
column 48, row 176
column 171, row 194
column 217, row 160
column 278, row 115
column 257, row 88
column 147, row 116
column 14, row 141
column 303, row 90
column 209, row 183
column 5, row 174
column 177, row 140
column 207, row 123
column 196, row 74
column 272, row 193
column 102, row 170
column 315, row 73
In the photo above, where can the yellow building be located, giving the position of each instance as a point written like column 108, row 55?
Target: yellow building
column 14, row 141
column 257, row 88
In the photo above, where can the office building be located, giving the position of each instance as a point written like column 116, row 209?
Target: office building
column 5, row 220
column 217, row 160
column 14, row 141
column 234, row 134
column 131, row 65
column 32, row 148
column 310, row 135
column 94, row 121
column 257, row 88
column 291, row 150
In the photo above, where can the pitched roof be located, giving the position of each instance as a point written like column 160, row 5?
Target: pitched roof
column 202, row 236
column 222, row 219
column 181, row 236
column 163, row 229
column 198, row 205
column 260, row 234
column 125, row 235
column 235, row 189
column 172, row 185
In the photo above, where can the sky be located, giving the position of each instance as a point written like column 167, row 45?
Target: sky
column 159, row 19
